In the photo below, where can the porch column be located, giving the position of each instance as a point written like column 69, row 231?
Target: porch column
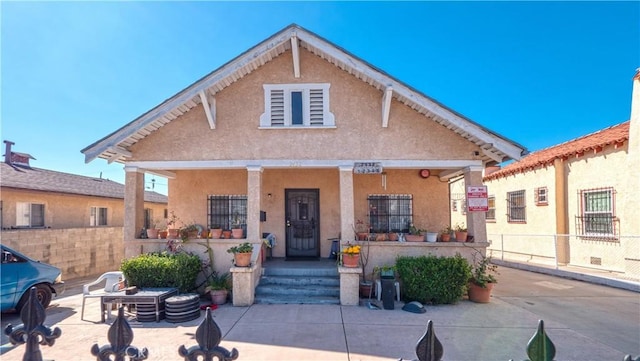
column 476, row 221
column 133, row 206
column 254, row 191
column 346, row 202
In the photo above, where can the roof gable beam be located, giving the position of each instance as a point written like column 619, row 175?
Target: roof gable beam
column 386, row 106
column 117, row 153
column 295, row 53
column 492, row 155
column 209, row 110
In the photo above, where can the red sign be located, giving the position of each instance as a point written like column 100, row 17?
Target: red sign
column 477, row 199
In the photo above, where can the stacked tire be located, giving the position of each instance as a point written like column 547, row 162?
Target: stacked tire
column 182, row 308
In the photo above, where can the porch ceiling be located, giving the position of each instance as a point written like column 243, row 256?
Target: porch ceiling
column 115, row 146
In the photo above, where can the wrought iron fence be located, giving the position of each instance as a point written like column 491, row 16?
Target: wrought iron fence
column 33, row 333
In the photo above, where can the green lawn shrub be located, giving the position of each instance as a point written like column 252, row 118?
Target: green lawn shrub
column 164, row 269
column 433, row 280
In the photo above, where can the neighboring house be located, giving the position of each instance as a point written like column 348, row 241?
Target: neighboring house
column 312, row 136
column 581, row 194
column 40, row 198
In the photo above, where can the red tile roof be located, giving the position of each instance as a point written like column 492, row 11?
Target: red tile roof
column 615, row 135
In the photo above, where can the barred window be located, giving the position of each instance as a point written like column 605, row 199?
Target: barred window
column 516, row 206
column 227, row 211
column 541, row 196
column 491, row 212
column 390, row 213
column 597, row 212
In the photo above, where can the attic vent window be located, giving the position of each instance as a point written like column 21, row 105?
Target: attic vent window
column 296, row 106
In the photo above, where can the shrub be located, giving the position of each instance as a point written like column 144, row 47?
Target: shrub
column 164, row 269
column 433, row 280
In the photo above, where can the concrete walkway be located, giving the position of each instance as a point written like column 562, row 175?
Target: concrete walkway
column 499, row 330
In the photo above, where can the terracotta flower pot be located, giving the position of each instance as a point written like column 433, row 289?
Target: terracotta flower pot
column 414, row 238
column 152, row 233
column 237, row 233
column 226, row 234
column 362, row 236
column 445, row 237
column 242, row 259
column 216, row 233
column 350, row 260
column 461, row 236
column 163, row 234
column 393, row 236
column 479, row 294
column 218, row 297
column 173, row 233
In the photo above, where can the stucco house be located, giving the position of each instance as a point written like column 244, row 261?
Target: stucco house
column 71, row 221
column 574, row 203
column 301, row 139
column 35, row 198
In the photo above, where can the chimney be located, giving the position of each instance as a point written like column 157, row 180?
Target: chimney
column 7, row 151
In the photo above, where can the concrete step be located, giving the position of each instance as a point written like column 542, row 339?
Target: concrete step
column 299, row 300
column 294, row 281
column 299, row 285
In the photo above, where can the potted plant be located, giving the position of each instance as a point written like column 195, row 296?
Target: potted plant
column 482, row 278
column 236, row 229
column 216, row 231
column 172, row 226
column 431, row 236
column 365, row 284
column 241, row 254
column 361, row 230
column 350, row 255
column 152, row 231
column 218, row 287
column 445, row 234
column 415, row 234
column 385, row 271
column 189, row 231
column 461, row 232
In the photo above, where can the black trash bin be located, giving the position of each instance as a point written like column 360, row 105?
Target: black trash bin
column 388, row 292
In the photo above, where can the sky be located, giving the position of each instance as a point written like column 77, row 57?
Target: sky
column 537, row 73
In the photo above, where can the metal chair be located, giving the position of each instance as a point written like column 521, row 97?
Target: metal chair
column 112, row 282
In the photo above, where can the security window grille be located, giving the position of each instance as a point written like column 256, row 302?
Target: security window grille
column 228, row 211
column 541, row 196
column 390, row 213
column 296, row 105
column 516, row 206
column 491, row 212
column 29, row 215
column 597, row 212
column 98, row 217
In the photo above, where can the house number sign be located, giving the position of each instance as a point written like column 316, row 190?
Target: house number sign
column 367, row 168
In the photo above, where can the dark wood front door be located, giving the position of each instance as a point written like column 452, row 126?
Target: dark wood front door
column 302, row 216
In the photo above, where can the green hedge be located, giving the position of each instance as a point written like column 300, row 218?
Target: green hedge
column 178, row 270
column 433, row 280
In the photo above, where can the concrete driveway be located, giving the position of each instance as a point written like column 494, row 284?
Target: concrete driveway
column 585, row 321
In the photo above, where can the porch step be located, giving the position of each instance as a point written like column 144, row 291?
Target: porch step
column 317, row 283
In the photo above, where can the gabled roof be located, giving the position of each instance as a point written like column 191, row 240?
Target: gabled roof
column 38, row 179
column 615, row 135
column 115, row 146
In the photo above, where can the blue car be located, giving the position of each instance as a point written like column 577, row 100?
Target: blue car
column 19, row 273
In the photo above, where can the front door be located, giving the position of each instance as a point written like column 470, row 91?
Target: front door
column 302, row 216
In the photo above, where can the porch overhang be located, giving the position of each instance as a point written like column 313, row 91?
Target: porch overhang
column 447, row 168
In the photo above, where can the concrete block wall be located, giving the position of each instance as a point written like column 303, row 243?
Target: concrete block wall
column 78, row 252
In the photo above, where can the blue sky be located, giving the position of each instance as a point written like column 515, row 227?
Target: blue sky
column 538, row 73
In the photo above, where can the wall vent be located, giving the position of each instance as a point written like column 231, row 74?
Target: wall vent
column 596, row 261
